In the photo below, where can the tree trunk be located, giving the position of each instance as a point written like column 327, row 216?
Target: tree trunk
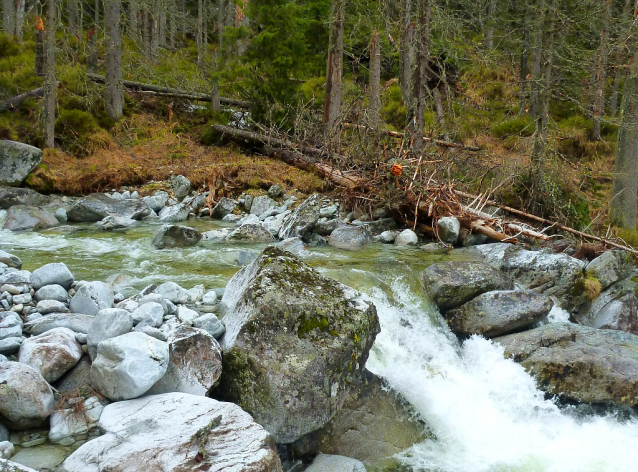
column 199, row 34
column 92, row 59
column 375, row 81
column 217, row 57
column 49, row 79
column 334, row 73
column 623, row 205
column 491, row 20
column 172, row 30
column 114, row 94
column 39, row 44
column 537, row 51
column 522, row 88
column 20, row 6
column 8, row 17
column 420, row 73
column 162, row 22
column 406, row 53
column 620, row 71
column 133, row 26
column 146, row 29
column 154, row 25
column 74, row 18
column 440, row 109
column 601, row 74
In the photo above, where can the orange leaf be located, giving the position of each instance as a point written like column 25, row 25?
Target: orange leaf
column 39, row 25
column 170, row 114
column 397, row 169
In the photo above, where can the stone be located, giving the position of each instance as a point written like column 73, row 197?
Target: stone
column 11, row 466
column 210, row 298
column 127, row 366
column 216, row 235
column 108, row 323
column 151, row 331
column 224, row 207
column 379, row 226
column 12, row 276
column 156, row 202
column 81, row 338
column 22, row 299
column 578, row 362
column 76, row 322
column 325, row 228
column 27, row 399
column 350, row 237
column 261, row 205
column 497, row 313
column 248, row 220
column 10, row 346
column 231, row 218
column 275, row 191
column 10, row 260
column 10, row 196
column 114, row 223
column 4, row 432
column 174, row 213
column 294, row 246
column 610, row 267
column 17, row 161
column 172, row 292
column 161, row 431
column 451, row 284
column 77, row 379
column 171, row 236
column 331, row 463
column 274, row 223
column 186, row 315
column 98, row 206
column 69, row 423
column 28, row 218
column 251, row 233
column 52, row 353
column 287, row 364
column 449, row 229
column 407, row 237
column 211, row 324
column 7, row 449
column 92, row 297
column 46, row 307
column 52, row 292
column 10, row 325
column 301, row 222
column 148, row 314
column 468, row 238
column 329, row 211
column 150, row 298
column 43, row 458
column 615, row 308
column 388, row 237
column 181, row 186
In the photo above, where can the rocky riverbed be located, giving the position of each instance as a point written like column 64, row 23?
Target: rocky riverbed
column 138, row 333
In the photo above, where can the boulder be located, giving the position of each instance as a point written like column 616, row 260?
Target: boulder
column 325, row 228
column 77, row 379
column 331, row 463
column 10, row 325
column 98, row 206
column 497, row 313
column 186, row 315
column 451, row 284
column 113, row 223
column 449, row 229
column 610, row 267
column 127, row 366
column 251, row 233
column 56, row 273
column 172, row 292
column 167, row 432
column 10, row 346
column 42, row 457
column 225, row 207
column 92, row 297
column 28, row 218
column 379, row 226
column 17, row 160
column 216, row 235
column 52, row 353
column 181, row 186
column 274, row 223
column 407, row 237
column 195, row 362
column 615, row 308
column 10, row 196
column 13, row 276
column 74, row 321
column 52, row 292
column 211, row 324
column 10, row 466
column 261, row 205
column 171, row 236
column 108, row 323
column 275, row 191
column 294, row 341
column 72, row 424
column 581, row 363
column 350, row 237
column 156, row 202
column 174, row 213
column 10, row 260
column 27, row 399
column 149, row 314
column 46, row 307
column 301, row 222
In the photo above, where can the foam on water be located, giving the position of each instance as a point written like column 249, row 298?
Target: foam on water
column 485, row 411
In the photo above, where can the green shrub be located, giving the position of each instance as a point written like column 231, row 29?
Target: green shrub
column 521, row 126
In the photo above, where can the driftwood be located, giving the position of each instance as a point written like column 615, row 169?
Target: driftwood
column 169, row 92
column 15, row 102
column 396, row 134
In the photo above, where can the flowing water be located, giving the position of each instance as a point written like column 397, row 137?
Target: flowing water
column 484, row 411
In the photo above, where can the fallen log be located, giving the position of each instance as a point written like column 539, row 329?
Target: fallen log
column 14, row 102
column 169, row 92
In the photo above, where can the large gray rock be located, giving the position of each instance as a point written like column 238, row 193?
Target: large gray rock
column 170, row 236
column 175, row 213
column 251, row 233
column 10, row 196
column 56, row 273
column 615, row 308
column 331, row 463
column 166, row 432
column 195, row 363
column 27, row 399
column 173, row 292
column 92, row 297
column 17, row 160
column 114, row 223
column 156, row 202
column 581, row 363
column 350, row 237
column 71, row 424
column 10, row 466
column 225, row 207
column 497, row 313
column 407, row 237
column 98, row 206
column 77, row 379
column 301, row 222
column 10, row 346
column 74, row 321
column 127, row 366
column 10, row 260
column 294, row 342
column 449, row 229
column 52, row 292
column 52, row 353
column 262, row 204
column 108, row 323
column 43, row 457
column 28, row 218
column 181, row 186
column 450, row 284
column 46, row 307
column 211, row 324
column 10, row 325
column 149, row 314
column 610, row 267
column 13, row 276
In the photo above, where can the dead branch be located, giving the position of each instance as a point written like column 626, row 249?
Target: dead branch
column 14, row 102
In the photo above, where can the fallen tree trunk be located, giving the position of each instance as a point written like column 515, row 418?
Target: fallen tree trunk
column 169, row 92
column 14, row 102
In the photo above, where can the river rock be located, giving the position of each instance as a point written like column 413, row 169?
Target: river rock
column 350, row 237
column 128, row 365
column 10, row 325
column 10, row 346
column 42, row 457
column 156, row 202
column 211, row 324
column 275, row 191
column 327, row 462
column 149, row 314
column 45, row 307
column 274, row 223
column 14, row 276
column 11, row 466
column 450, row 284
column 181, row 186
column 286, row 361
column 56, row 273
column 325, row 228
column 27, row 399
column 113, row 223
column 17, row 160
column 28, row 218
column 98, row 206
column 301, row 222
column 251, row 233
column 52, row 353
column 262, row 204
column 10, row 196
column 615, row 308
column 76, row 322
column 10, row 260
column 52, row 292
column 92, row 297
column 77, row 379
column 497, row 313
column 71, row 424
column 449, row 229
column 407, row 237
column 581, row 363
column 195, row 362
column 162, row 432
column 224, row 207
column 174, row 213
column 610, row 267
column 108, row 323
column 170, row 236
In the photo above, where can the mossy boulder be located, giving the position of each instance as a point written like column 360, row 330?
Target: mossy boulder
column 17, row 160
column 29, row 218
column 295, row 342
column 99, row 205
column 610, row 267
column 615, row 308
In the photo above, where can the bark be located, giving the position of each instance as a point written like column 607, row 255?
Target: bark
column 217, row 56
column 14, row 102
column 406, row 53
column 173, row 24
column 623, row 205
column 8, row 17
column 114, row 94
column 146, row 29
column 20, row 7
column 154, row 29
column 133, row 26
column 39, row 45
column 199, row 33
column 74, row 18
column 522, row 90
column 537, row 52
column 334, row 73
column 489, row 31
column 420, row 73
column 601, row 74
column 162, row 22
column 375, row 81
column 49, row 79
column 440, row 109
column 92, row 59
column 620, row 71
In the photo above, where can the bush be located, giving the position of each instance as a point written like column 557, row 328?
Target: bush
column 521, row 126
